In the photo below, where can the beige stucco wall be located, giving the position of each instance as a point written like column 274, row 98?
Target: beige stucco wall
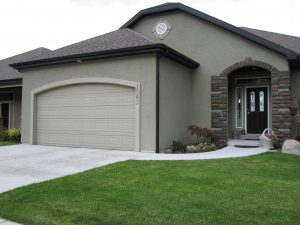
column 140, row 69
column 295, row 92
column 214, row 48
column 174, row 102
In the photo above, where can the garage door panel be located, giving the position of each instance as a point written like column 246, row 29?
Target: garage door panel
column 128, row 112
column 89, row 115
column 87, row 125
column 105, row 142
column 112, row 133
column 86, row 101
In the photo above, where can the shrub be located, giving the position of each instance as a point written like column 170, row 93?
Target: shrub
column 204, row 134
column 14, row 134
column 202, row 147
column 194, row 130
column 3, row 135
column 274, row 140
column 178, row 146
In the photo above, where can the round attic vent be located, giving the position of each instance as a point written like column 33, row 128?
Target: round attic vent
column 161, row 28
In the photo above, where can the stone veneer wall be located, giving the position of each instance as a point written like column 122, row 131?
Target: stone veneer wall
column 280, row 99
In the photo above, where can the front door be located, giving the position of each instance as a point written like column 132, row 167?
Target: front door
column 257, row 109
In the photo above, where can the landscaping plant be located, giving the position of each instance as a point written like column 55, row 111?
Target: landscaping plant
column 3, row 135
column 202, row 134
column 178, row 146
column 14, row 134
column 11, row 135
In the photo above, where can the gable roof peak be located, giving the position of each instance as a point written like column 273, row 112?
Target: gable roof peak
column 169, row 7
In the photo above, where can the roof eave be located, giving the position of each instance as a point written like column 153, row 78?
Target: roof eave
column 245, row 34
column 295, row 63
column 16, row 82
column 153, row 48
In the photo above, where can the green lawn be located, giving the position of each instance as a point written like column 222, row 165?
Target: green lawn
column 263, row 189
column 5, row 143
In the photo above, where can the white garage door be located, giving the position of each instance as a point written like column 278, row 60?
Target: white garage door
column 87, row 115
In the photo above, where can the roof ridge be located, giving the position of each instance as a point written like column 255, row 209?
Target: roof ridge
column 246, row 28
column 102, row 35
column 25, row 53
column 118, row 39
column 164, row 4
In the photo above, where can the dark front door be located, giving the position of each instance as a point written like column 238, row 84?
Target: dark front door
column 257, row 110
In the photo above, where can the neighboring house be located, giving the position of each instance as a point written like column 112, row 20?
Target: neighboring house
column 11, row 89
column 169, row 66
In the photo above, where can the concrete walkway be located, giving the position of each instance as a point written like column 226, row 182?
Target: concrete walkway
column 6, row 222
column 227, row 152
column 23, row 164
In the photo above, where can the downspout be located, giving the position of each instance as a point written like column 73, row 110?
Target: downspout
column 157, row 103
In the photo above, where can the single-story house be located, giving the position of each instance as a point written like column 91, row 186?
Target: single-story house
column 169, row 66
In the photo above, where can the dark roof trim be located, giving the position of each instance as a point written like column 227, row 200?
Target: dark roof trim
column 17, row 81
column 245, row 34
column 295, row 63
column 152, row 48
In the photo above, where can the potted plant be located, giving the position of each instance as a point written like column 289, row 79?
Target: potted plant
column 268, row 138
column 242, row 133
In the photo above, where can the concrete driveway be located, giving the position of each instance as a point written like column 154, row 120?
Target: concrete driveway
column 26, row 164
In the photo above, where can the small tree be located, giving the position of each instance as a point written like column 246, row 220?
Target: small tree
column 204, row 133
column 194, row 130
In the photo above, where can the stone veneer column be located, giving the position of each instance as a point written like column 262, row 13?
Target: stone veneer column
column 281, row 100
column 219, row 121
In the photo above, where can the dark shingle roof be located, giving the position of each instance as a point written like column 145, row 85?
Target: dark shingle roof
column 119, row 39
column 122, row 42
column 8, row 73
column 287, row 41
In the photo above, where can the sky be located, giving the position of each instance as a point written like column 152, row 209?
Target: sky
column 29, row 24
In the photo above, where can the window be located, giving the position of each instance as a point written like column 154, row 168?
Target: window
column 239, row 107
column 252, row 101
column 261, row 101
column 5, row 114
column 252, row 81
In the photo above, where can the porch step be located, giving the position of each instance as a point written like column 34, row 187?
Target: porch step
column 245, row 143
column 250, row 137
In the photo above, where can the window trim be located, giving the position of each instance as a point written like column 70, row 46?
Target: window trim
column 242, row 107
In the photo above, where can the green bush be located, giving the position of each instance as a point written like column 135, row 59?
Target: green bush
column 3, row 135
column 202, row 134
column 14, row 134
column 178, row 146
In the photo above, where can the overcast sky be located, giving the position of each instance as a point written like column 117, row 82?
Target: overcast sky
column 29, row 24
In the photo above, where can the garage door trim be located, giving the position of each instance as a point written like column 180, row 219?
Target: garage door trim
column 91, row 80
